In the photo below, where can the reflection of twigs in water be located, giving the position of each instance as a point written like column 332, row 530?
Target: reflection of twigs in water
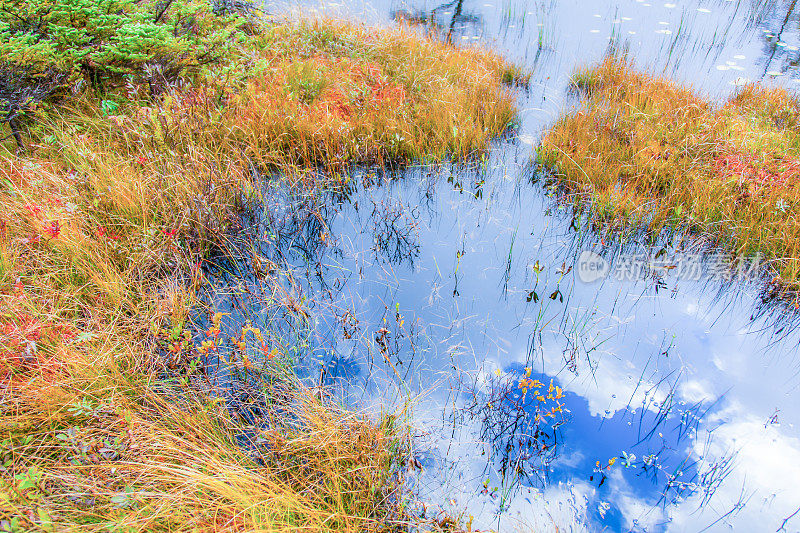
column 738, row 506
column 664, row 407
column 785, row 520
column 459, row 254
column 778, row 36
column 396, row 233
column 693, row 472
column 456, row 15
column 711, row 479
column 429, row 19
column 521, row 430
column 772, row 314
column 509, row 261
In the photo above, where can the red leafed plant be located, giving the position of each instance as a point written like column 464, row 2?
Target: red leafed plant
column 22, row 338
column 756, row 176
column 53, row 229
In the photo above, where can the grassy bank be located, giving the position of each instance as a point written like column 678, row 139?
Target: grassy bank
column 644, row 151
column 126, row 181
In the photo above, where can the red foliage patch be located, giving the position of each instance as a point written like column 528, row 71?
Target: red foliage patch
column 757, row 177
column 102, row 231
column 53, row 229
column 20, row 339
column 34, row 209
column 382, row 90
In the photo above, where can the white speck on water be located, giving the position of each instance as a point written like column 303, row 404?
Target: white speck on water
column 626, row 19
column 774, row 73
column 598, row 15
column 723, row 67
column 632, row 32
column 594, row 31
column 669, row 6
column 663, row 23
column 739, row 56
column 703, row 10
column 792, row 48
column 730, row 63
column 737, row 67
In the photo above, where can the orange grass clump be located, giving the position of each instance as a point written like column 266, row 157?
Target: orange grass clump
column 644, row 151
column 331, row 93
column 104, row 222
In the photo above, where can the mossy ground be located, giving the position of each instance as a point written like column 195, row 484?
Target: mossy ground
column 644, row 151
column 106, row 217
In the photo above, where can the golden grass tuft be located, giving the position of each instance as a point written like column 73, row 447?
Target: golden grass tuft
column 644, row 151
column 104, row 221
column 96, row 449
column 331, row 93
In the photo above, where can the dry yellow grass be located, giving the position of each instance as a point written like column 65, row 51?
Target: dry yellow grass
column 88, row 444
column 104, row 219
column 645, row 151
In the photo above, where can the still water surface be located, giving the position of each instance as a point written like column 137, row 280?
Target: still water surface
column 440, row 289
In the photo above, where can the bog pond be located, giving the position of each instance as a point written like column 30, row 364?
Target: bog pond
column 650, row 392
